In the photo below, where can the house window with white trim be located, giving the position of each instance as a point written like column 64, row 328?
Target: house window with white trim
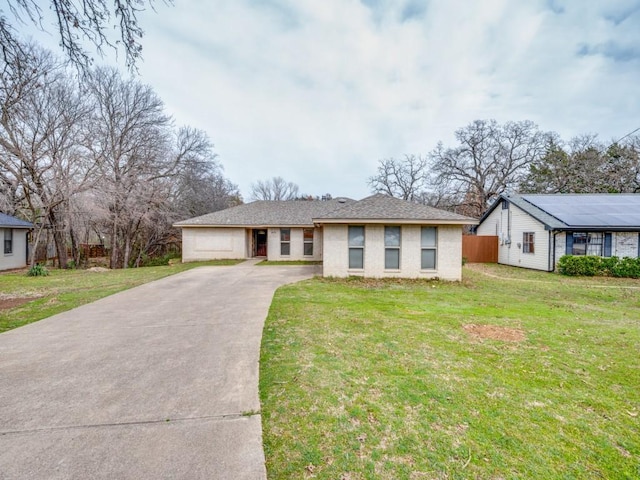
column 307, row 238
column 392, row 237
column 8, row 241
column 356, row 247
column 285, row 242
column 429, row 247
column 528, row 241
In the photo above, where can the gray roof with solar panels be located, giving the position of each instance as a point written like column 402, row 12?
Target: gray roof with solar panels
column 585, row 211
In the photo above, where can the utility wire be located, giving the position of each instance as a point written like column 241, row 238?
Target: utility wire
column 627, row 135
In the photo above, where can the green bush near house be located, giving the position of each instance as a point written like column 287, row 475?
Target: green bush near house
column 591, row 266
column 37, row 270
column 627, row 268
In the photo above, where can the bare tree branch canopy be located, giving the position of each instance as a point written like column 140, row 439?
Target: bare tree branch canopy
column 200, row 186
column 42, row 158
column 98, row 159
column 276, row 188
column 405, row 178
column 78, row 21
column 489, row 160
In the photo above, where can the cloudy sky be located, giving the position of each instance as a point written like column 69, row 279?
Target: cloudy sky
column 318, row 91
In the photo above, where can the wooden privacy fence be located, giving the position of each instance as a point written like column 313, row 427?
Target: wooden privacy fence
column 480, row 249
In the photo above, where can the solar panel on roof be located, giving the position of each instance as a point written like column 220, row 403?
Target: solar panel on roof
column 615, row 210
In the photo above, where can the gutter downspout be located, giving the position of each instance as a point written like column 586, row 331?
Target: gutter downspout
column 553, row 265
column 549, row 253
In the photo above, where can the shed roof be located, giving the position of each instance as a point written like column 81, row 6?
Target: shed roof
column 267, row 213
column 383, row 208
column 7, row 221
column 614, row 211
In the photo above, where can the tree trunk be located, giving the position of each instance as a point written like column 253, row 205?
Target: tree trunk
column 127, row 252
column 113, row 262
column 75, row 247
column 60, row 240
column 34, row 245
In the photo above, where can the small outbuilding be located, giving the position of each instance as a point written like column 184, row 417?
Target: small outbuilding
column 14, row 232
column 378, row 236
column 535, row 230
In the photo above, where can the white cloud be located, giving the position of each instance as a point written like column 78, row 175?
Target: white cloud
column 317, row 92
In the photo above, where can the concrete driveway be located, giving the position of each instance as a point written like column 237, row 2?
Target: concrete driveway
column 157, row 382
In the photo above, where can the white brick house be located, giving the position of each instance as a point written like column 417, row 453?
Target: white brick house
column 534, row 231
column 378, row 236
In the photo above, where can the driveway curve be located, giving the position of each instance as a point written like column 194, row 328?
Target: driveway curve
column 157, row 382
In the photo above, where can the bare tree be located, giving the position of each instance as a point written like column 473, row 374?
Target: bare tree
column 489, row 160
column 276, row 188
column 200, row 186
column 41, row 143
column 405, row 179
column 77, row 22
column 131, row 138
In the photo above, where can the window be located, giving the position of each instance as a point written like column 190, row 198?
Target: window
column 8, row 240
column 285, row 241
column 392, row 248
column 429, row 244
column 505, row 204
column 356, row 247
column 587, row 243
column 528, row 240
column 307, row 237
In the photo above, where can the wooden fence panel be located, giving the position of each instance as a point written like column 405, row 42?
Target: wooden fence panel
column 480, row 249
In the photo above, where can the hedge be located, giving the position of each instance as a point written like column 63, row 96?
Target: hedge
column 589, row 266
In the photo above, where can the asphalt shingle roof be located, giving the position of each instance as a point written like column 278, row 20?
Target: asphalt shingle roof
column 7, row 221
column 267, row 212
column 297, row 212
column 384, row 208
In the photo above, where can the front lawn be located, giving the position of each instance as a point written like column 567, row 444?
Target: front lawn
column 509, row 374
column 26, row 299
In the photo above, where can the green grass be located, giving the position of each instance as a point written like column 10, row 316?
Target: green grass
column 63, row 290
column 288, row 262
column 365, row 379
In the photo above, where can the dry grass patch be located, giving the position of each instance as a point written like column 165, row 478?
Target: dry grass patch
column 495, row 332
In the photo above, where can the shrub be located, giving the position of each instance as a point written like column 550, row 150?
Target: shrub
column 627, row 267
column 38, row 270
column 158, row 261
column 589, row 266
column 586, row 266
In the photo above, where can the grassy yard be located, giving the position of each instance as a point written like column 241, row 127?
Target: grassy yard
column 26, row 299
column 509, row 374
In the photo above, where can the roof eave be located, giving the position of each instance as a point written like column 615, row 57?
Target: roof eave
column 395, row 221
column 244, row 225
column 595, row 228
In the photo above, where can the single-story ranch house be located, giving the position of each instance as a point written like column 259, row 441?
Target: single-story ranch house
column 14, row 248
column 378, row 236
column 534, row 231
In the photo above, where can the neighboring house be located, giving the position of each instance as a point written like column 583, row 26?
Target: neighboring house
column 378, row 236
column 13, row 232
column 534, row 231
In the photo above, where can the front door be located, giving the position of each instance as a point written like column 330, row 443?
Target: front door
column 260, row 242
